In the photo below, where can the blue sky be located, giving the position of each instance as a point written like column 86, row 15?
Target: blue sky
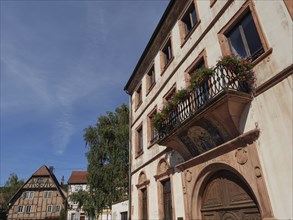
column 63, row 64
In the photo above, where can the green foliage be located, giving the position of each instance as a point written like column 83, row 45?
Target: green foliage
column 168, row 107
column 62, row 215
column 84, row 200
column 12, row 185
column 240, row 66
column 107, row 159
column 180, row 96
column 158, row 120
column 200, row 75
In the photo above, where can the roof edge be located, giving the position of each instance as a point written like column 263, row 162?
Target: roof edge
column 155, row 33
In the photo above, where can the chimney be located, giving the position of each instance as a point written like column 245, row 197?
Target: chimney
column 51, row 168
column 62, row 181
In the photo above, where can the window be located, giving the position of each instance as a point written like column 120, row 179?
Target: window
column 47, row 194
column 28, row 209
column 77, row 187
column 144, row 204
column 142, row 185
column 56, row 208
column 139, row 140
column 138, row 97
column 170, row 94
column 19, row 208
column 151, row 78
column 168, row 97
column 167, row 54
column 244, row 39
column 123, row 215
column 49, row 208
column 152, row 132
column 189, row 19
column 167, row 200
column 243, row 35
column 40, row 181
column 201, row 92
column 28, row 195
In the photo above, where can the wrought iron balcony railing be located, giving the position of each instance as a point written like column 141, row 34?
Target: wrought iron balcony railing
column 220, row 81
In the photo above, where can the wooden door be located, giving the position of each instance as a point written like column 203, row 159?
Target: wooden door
column 167, row 200
column 144, row 204
column 226, row 197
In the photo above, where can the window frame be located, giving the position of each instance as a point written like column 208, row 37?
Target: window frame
column 202, row 56
column 143, row 184
column 163, row 182
column 164, row 173
column 28, row 209
column 167, row 49
column 138, row 96
column 20, row 209
column 139, row 140
column 247, row 7
column 151, row 74
column 123, row 215
column 56, row 208
column 49, row 208
column 77, row 188
column 152, row 134
column 184, row 34
column 47, row 194
column 28, row 194
column 169, row 95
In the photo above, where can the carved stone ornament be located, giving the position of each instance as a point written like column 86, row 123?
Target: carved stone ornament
column 241, row 156
column 142, row 178
column 188, row 176
column 163, row 167
column 257, row 171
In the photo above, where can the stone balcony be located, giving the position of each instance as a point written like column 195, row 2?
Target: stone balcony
column 208, row 117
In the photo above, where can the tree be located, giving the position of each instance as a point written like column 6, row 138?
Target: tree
column 10, row 188
column 108, row 158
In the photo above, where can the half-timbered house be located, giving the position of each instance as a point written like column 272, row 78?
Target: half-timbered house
column 41, row 197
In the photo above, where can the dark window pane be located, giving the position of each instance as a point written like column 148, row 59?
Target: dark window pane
column 200, row 65
column 167, row 200
column 193, row 17
column 140, row 140
column 190, row 19
column 251, row 35
column 144, row 204
column 167, row 52
column 123, row 215
column 236, row 42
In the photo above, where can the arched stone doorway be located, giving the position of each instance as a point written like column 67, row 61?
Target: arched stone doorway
column 227, row 197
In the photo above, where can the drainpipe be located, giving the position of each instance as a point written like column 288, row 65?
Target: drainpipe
column 129, row 159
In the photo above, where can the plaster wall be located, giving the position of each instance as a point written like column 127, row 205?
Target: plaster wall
column 118, row 208
column 272, row 111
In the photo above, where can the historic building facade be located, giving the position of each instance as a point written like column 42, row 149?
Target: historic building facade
column 41, row 197
column 223, row 150
column 77, row 181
